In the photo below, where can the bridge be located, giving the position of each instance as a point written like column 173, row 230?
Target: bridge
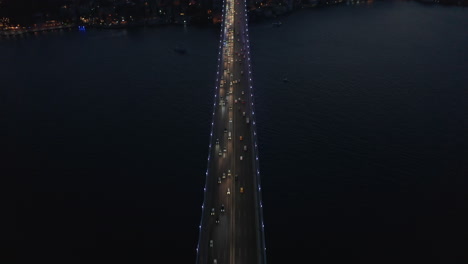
column 231, row 228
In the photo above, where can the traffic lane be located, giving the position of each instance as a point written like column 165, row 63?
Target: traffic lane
column 217, row 166
column 244, row 221
column 209, row 223
column 248, row 204
column 250, row 154
column 221, row 237
column 246, row 201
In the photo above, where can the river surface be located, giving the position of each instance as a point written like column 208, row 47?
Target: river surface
column 363, row 153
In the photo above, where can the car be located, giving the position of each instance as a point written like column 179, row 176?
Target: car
column 215, row 261
column 222, row 208
column 220, row 153
column 212, row 211
column 219, row 179
column 230, row 108
column 217, row 220
column 243, row 102
column 242, row 72
column 235, row 177
column 230, row 119
column 224, row 150
column 240, row 137
column 243, row 113
column 211, row 243
column 225, row 130
column 224, row 175
column 241, row 158
column 242, row 92
column 245, row 147
column 235, row 101
column 228, row 191
column 229, row 173
column 217, row 141
column 242, row 189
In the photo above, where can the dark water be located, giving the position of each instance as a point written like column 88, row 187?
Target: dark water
column 364, row 153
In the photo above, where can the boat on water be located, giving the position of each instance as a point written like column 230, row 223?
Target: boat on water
column 277, row 24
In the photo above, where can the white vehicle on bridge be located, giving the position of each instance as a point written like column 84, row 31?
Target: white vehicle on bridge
column 228, row 191
column 241, row 158
column 229, row 136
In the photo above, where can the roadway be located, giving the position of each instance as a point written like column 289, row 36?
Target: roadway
column 235, row 235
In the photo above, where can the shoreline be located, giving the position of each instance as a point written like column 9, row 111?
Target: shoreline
column 267, row 13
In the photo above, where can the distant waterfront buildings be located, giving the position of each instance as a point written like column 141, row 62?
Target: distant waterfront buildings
column 19, row 16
